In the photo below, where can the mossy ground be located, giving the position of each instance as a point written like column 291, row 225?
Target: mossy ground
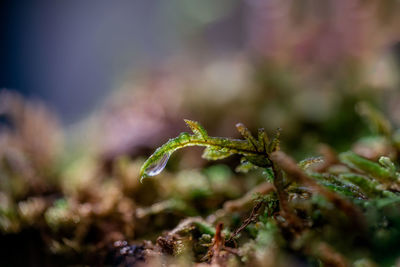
column 337, row 209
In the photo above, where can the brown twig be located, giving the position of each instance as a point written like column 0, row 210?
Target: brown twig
column 252, row 218
column 286, row 212
column 329, row 256
column 288, row 165
column 217, row 245
column 246, row 200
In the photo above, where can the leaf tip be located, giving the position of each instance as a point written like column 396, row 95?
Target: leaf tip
column 196, row 128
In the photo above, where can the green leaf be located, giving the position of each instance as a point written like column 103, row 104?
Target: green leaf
column 197, row 129
column 216, row 148
column 274, row 145
column 247, row 135
column 245, row 166
column 211, row 153
column 306, row 163
column 367, row 166
column 263, row 140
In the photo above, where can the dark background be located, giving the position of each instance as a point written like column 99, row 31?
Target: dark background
column 71, row 54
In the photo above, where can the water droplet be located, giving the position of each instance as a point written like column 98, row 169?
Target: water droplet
column 157, row 167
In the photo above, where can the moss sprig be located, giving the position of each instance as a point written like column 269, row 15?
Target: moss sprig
column 255, row 151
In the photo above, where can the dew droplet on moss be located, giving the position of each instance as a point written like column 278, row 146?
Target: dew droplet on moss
column 158, row 166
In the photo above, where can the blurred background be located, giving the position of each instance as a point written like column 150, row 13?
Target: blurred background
column 132, row 70
column 72, row 54
column 93, row 87
column 142, row 66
